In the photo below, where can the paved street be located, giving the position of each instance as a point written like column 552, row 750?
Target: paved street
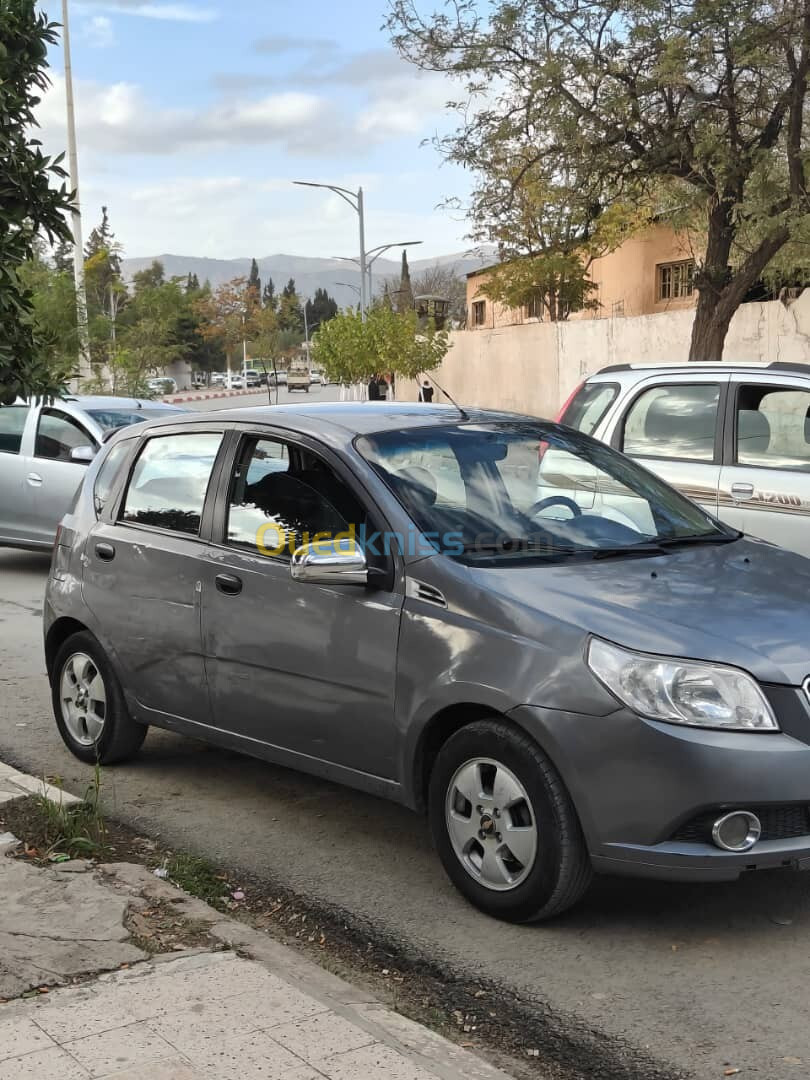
column 709, row 978
column 316, row 393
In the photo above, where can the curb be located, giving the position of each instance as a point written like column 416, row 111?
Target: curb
column 30, row 785
column 179, row 400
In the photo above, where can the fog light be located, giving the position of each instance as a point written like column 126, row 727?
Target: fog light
column 737, row 831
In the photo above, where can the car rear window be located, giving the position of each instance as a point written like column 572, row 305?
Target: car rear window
column 587, row 407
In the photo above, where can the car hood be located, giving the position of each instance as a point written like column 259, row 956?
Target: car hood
column 745, row 603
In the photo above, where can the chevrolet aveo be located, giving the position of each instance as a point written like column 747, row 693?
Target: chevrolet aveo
column 408, row 600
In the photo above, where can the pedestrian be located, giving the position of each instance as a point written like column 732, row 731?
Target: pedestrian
column 374, row 389
column 425, row 392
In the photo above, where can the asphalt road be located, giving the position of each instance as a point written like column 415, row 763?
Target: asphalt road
column 708, row 978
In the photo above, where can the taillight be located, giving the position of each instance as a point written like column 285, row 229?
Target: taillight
column 568, row 401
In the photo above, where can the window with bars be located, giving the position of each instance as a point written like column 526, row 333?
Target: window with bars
column 676, row 280
column 479, row 312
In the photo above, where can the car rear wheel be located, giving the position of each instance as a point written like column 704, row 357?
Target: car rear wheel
column 89, row 706
column 504, row 825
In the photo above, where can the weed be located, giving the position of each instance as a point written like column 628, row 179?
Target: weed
column 198, row 877
column 76, row 828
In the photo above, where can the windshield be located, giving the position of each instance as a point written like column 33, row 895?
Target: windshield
column 112, row 419
column 520, row 491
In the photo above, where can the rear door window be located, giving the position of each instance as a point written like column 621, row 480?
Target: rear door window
column 674, row 421
column 169, row 483
column 12, row 423
column 773, row 427
column 588, row 406
column 108, row 473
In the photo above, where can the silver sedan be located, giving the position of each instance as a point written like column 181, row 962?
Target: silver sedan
column 44, row 452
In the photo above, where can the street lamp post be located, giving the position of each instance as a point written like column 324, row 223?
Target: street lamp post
column 355, row 200
column 85, row 371
column 372, row 256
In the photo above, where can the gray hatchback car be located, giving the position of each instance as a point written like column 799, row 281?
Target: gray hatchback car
column 386, row 596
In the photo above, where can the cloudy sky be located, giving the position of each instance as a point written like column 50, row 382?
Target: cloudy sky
column 194, row 116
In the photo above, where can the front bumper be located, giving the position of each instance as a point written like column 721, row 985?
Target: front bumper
column 635, row 782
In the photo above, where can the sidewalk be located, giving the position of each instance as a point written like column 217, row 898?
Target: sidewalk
column 203, row 395
column 201, row 1011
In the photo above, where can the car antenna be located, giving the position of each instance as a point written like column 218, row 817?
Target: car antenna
column 453, row 402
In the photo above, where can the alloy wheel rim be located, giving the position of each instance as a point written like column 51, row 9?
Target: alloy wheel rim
column 491, row 824
column 83, row 698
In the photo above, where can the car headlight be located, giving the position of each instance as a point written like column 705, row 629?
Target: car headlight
column 681, row 691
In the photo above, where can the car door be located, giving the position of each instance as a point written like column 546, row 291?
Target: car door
column 674, row 427
column 142, row 575
column 765, row 479
column 306, row 668
column 16, row 496
column 52, row 474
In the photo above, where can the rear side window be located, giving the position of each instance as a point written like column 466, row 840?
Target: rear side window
column 12, row 422
column 169, row 482
column 673, row 421
column 587, row 407
column 773, row 427
column 108, row 472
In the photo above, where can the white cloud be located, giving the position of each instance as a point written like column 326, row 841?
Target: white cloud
column 408, row 106
column 98, row 32
column 168, row 12
column 120, row 119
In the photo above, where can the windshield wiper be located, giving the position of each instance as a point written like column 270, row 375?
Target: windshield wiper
column 643, row 548
column 700, row 538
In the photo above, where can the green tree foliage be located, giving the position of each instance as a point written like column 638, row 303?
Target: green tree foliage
column 225, row 316
column 269, row 298
column 63, row 256
column 703, row 101
column 254, row 281
column 150, row 277
column 290, row 312
column 148, row 342
column 320, row 309
column 53, row 299
column 403, row 300
column 28, row 204
column 350, row 350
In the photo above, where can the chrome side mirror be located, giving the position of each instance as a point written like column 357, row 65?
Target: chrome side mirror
column 330, row 562
column 82, row 455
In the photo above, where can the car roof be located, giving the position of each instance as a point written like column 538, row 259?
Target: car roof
column 726, row 365
column 350, row 417
column 101, row 401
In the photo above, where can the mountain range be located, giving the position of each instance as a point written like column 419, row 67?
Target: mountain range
column 309, row 273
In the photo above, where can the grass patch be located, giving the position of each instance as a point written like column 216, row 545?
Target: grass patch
column 198, row 877
column 75, row 829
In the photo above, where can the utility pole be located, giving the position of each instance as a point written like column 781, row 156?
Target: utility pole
column 355, row 201
column 85, row 368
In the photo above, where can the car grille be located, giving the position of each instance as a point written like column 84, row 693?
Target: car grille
column 778, row 823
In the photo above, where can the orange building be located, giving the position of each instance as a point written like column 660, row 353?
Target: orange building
column 652, row 271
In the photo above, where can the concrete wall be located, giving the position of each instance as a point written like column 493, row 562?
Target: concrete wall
column 534, row 367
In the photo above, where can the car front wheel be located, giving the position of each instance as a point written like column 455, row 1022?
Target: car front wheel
column 89, row 706
column 504, row 825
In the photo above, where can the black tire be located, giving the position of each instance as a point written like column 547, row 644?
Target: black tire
column 561, row 871
column 121, row 737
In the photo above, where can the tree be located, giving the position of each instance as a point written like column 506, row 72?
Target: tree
column 321, row 308
column 350, row 350
column 148, row 342
column 269, row 299
column 63, row 257
column 290, row 313
column 28, row 204
column 404, row 294
column 192, row 283
column 225, row 316
column 150, row 277
column 703, row 102
column 53, row 304
column 437, row 280
column 254, row 281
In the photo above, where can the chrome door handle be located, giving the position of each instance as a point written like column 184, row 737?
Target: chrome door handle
column 742, row 491
column 34, row 479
